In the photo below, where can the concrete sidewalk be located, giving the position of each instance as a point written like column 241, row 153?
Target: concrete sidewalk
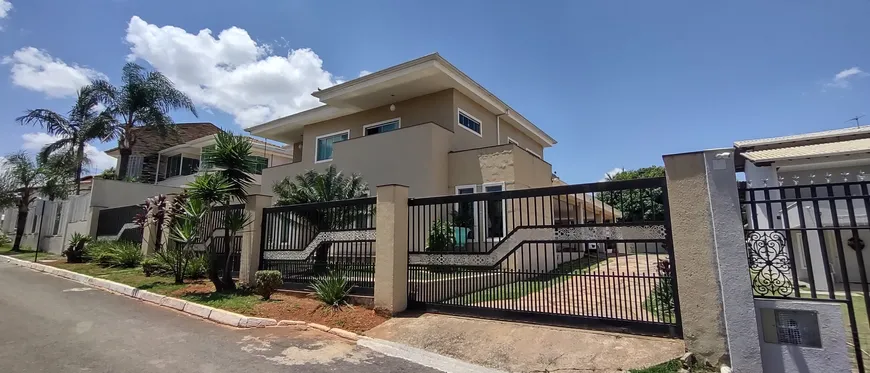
column 518, row 347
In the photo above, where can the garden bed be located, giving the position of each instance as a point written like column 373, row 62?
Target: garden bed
column 282, row 306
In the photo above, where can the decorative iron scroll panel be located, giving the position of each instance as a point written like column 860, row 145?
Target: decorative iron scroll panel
column 595, row 255
column 807, row 242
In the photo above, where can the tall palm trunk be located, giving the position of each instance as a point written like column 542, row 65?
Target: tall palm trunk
column 227, row 279
column 80, row 158
column 19, row 228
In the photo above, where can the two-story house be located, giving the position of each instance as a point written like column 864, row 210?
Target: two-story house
column 424, row 124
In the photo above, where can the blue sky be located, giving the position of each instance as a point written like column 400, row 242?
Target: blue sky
column 617, row 83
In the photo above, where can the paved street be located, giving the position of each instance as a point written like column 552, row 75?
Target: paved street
column 48, row 324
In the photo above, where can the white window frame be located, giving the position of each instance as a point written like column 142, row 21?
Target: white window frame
column 473, row 188
column 317, row 144
column 463, row 112
column 381, row 123
column 512, row 141
column 503, row 209
column 533, row 153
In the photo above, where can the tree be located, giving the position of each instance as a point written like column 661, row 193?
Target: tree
column 144, row 100
column 227, row 181
column 20, row 182
column 82, row 124
column 636, row 204
column 312, row 187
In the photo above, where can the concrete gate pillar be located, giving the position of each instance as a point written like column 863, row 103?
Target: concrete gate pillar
column 391, row 249
column 716, row 302
column 252, row 237
column 149, row 235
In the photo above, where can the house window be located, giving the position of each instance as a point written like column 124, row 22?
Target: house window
column 494, row 212
column 470, row 123
column 259, row 164
column 189, row 166
column 381, row 127
column 465, row 213
column 325, row 144
column 512, row 141
column 57, row 212
column 204, row 155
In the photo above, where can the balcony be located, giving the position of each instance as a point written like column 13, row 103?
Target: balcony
column 415, row 156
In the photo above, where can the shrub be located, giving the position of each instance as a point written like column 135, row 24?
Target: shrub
column 150, row 266
column 440, row 237
column 75, row 251
column 5, row 240
column 116, row 254
column 332, row 289
column 197, row 267
column 664, row 291
column 267, row 282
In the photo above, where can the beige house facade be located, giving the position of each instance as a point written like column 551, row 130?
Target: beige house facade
column 423, row 124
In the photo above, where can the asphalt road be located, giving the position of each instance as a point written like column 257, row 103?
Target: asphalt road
column 49, row 324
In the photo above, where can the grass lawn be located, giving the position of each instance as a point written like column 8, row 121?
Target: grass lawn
column 672, row 366
column 128, row 276
column 863, row 326
column 27, row 254
column 525, row 287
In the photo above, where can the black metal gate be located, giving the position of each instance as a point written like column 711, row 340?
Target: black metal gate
column 806, row 242
column 307, row 241
column 595, row 255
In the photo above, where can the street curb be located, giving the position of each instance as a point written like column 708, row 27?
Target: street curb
column 423, row 357
column 195, row 309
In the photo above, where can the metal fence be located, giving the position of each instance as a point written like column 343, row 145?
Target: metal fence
column 213, row 235
column 307, row 241
column 595, row 255
column 111, row 222
column 806, row 242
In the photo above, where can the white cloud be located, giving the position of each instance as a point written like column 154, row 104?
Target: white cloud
column 364, row 73
column 37, row 70
column 5, row 7
column 99, row 160
column 844, row 78
column 611, row 173
column 231, row 73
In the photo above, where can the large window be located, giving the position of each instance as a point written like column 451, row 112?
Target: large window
column 325, row 144
column 178, row 165
column 470, row 123
column 494, row 216
column 381, row 127
column 484, row 217
column 259, row 164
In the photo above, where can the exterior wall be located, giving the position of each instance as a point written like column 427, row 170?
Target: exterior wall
column 804, row 177
column 531, row 171
column 433, row 108
column 508, row 130
column 507, row 163
column 113, row 193
column 463, row 138
column 414, row 156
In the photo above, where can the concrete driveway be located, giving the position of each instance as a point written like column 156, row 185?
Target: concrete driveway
column 48, row 324
column 516, row 347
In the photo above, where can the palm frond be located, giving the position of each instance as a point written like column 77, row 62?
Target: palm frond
column 53, row 123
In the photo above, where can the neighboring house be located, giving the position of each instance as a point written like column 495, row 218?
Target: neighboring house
column 178, row 165
column 149, row 143
column 810, row 159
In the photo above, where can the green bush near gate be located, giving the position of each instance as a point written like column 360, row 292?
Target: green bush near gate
column 266, row 282
column 332, row 289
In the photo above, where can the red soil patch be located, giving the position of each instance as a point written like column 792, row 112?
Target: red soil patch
column 291, row 307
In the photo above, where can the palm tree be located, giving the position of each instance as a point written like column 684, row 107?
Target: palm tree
column 312, row 187
column 227, row 180
column 83, row 124
column 19, row 184
column 144, row 100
